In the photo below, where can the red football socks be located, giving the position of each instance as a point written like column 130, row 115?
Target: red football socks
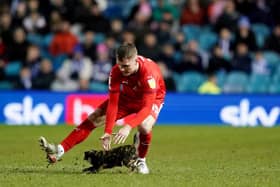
column 79, row 134
column 145, row 140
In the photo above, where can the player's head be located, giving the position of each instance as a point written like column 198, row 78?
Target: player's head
column 126, row 56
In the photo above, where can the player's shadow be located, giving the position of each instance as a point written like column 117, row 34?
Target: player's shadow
column 40, row 171
column 60, row 171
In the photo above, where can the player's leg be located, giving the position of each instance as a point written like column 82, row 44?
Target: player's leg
column 144, row 137
column 143, row 140
column 79, row 134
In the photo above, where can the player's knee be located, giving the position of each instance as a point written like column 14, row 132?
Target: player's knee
column 147, row 125
column 97, row 118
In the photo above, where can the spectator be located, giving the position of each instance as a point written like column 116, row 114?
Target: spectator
column 117, row 29
column 102, row 66
column 217, row 62
column 45, row 76
column 275, row 7
column 128, row 37
column 82, row 11
column 244, row 7
column 143, row 7
column 19, row 14
column 260, row 65
column 193, row 45
column 35, row 23
column 242, row 60
column 3, row 50
column 33, row 5
column 63, row 7
column 55, row 21
column 140, row 27
column 89, row 45
column 228, row 18
column 164, row 8
column 192, row 13
column 24, row 80
column 191, row 59
column 111, row 43
column 163, row 33
column 179, row 41
column 245, row 34
column 215, row 9
column 33, row 60
column 225, row 42
column 149, row 47
column 6, row 28
column 168, row 78
column 96, row 21
column 63, row 41
column 273, row 41
column 261, row 13
column 167, row 56
column 209, row 86
column 2, row 70
column 17, row 49
column 75, row 72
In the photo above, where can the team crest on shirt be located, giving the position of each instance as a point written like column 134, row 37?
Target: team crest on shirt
column 152, row 83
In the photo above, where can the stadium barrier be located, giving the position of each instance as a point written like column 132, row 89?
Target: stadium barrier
column 51, row 108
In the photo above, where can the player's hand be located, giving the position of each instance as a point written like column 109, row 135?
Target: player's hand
column 106, row 141
column 123, row 133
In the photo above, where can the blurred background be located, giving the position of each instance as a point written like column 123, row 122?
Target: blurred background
column 220, row 58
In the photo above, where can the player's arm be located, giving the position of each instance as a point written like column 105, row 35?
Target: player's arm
column 149, row 97
column 114, row 92
column 112, row 109
column 111, row 112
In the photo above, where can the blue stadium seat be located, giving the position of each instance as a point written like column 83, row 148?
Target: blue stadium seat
column 113, row 12
column 235, row 82
column 47, row 40
column 6, row 85
column 258, row 83
column 176, row 77
column 13, row 68
column 98, row 87
column 35, row 39
column 274, row 88
column 58, row 61
column 207, row 40
column 190, row 81
column 191, row 32
column 261, row 32
column 273, row 59
column 221, row 78
column 99, row 38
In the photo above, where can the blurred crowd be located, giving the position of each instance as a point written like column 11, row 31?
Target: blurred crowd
column 68, row 45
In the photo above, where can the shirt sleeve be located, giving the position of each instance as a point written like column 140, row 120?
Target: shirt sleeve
column 114, row 92
column 149, row 96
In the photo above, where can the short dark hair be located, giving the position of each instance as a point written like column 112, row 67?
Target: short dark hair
column 126, row 51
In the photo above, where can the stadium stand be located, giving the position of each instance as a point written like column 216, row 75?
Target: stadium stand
column 132, row 20
column 236, row 82
column 190, row 81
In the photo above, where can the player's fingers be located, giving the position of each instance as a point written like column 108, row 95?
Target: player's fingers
column 109, row 146
column 106, row 147
column 117, row 138
column 123, row 139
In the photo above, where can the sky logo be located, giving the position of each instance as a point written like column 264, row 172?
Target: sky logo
column 27, row 112
column 241, row 115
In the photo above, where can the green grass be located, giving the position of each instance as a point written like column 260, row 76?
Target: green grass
column 179, row 156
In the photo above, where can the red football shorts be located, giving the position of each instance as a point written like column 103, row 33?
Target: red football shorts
column 128, row 111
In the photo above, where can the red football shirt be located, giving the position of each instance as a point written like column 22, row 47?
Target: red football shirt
column 139, row 90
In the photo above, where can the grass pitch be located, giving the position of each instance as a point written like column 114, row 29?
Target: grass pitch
column 179, row 156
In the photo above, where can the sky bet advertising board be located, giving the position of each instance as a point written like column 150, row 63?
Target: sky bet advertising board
column 52, row 108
